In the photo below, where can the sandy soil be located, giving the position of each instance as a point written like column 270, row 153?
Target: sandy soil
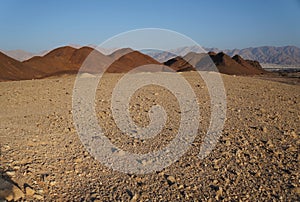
column 256, row 158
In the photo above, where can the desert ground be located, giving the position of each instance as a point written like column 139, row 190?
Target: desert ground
column 255, row 159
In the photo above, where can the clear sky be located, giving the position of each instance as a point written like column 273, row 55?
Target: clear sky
column 36, row 25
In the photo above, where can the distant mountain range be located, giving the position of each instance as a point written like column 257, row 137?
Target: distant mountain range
column 69, row 60
column 286, row 55
column 22, row 55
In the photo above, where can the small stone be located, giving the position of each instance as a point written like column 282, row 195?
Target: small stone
column 134, row 198
column 216, row 166
column 78, row 160
column 52, row 183
column 269, row 143
column 144, row 162
column 43, row 143
column 264, row 139
column 293, row 133
column 292, row 149
column 161, row 173
column 120, row 153
column 29, row 191
column 296, row 190
column 219, row 193
column 11, row 173
column 171, row 180
column 227, row 143
column 94, row 195
column 40, row 191
column 38, row 197
column 262, row 110
column 264, row 129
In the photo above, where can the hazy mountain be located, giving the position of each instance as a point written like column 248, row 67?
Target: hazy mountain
column 286, row 55
column 161, row 56
column 19, row 55
column 22, row 55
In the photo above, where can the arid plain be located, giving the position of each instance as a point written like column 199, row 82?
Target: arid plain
column 257, row 156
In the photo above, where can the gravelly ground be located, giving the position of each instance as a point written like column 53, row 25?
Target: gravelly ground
column 256, row 158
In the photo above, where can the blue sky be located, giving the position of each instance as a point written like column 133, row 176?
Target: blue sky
column 35, row 25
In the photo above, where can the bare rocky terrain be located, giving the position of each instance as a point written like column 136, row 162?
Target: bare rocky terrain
column 255, row 159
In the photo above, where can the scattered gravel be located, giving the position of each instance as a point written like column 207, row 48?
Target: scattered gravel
column 256, row 158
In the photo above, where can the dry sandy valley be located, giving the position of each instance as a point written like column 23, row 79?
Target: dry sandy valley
column 256, row 158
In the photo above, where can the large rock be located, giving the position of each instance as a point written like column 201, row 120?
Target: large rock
column 9, row 191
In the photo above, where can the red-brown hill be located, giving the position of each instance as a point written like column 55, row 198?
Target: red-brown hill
column 235, row 65
column 11, row 69
column 120, row 52
column 62, row 59
column 68, row 60
column 130, row 61
column 224, row 63
column 179, row 64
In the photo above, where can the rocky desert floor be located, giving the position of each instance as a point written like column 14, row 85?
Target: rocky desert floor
column 255, row 159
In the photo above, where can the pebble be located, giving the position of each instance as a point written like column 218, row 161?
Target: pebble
column 215, row 182
column 297, row 190
column 219, row 193
column 134, row 198
column 293, row 133
column 264, row 129
column 11, row 173
column 171, row 180
column 78, row 160
column 52, row 183
column 29, row 191
column 38, row 197
column 120, row 153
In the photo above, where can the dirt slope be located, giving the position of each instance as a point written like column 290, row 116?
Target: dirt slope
column 11, row 69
